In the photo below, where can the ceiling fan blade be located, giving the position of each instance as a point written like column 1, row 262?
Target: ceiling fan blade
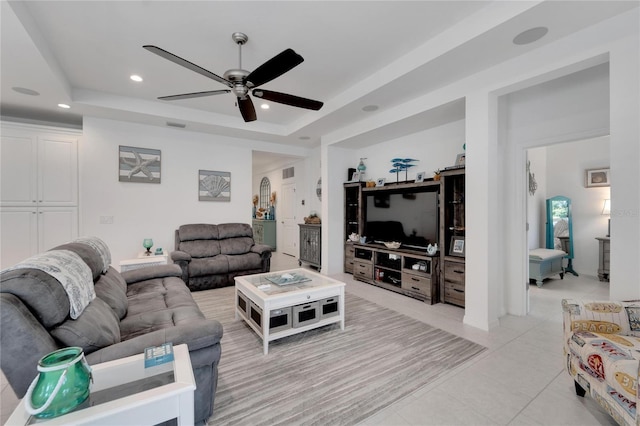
column 247, row 109
column 193, row 95
column 286, row 99
column 189, row 65
column 275, row 67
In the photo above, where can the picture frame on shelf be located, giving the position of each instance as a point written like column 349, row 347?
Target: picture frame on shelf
column 380, row 182
column 139, row 165
column 460, row 159
column 597, row 177
column 457, row 246
column 420, row 177
column 356, row 177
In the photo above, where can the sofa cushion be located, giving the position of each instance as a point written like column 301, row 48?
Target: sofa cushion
column 244, row 262
column 40, row 292
column 147, row 322
column 198, row 231
column 232, row 230
column 96, row 328
column 200, row 248
column 209, row 266
column 236, row 245
column 87, row 253
column 157, row 294
column 112, row 289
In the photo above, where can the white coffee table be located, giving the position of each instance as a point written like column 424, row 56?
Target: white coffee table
column 126, row 393
column 311, row 304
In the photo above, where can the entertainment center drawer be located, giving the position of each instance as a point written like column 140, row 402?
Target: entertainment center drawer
column 363, row 270
column 349, row 251
column 454, row 272
column 416, row 283
column 363, row 254
column 454, row 294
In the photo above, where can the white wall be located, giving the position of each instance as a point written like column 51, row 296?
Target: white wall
column 156, row 210
column 434, row 148
column 566, row 165
column 536, row 203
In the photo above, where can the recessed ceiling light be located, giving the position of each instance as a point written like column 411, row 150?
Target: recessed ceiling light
column 25, row 91
column 136, row 78
column 65, row 106
column 369, row 108
column 530, row 35
column 304, row 138
column 264, row 106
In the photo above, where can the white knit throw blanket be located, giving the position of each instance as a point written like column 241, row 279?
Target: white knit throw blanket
column 68, row 268
column 101, row 247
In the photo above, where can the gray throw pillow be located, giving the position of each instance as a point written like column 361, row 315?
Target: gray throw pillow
column 96, row 328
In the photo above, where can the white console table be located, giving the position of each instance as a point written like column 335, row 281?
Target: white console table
column 144, row 261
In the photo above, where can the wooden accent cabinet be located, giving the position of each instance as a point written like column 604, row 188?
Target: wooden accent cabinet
column 310, row 245
column 452, row 226
column 264, row 232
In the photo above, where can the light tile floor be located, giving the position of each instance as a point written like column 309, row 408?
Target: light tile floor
column 520, row 380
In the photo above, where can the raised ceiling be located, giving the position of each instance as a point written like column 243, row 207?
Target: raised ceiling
column 356, row 53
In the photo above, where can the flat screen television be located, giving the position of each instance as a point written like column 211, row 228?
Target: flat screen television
column 410, row 218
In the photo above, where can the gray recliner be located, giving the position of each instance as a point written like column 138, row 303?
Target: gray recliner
column 211, row 256
column 131, row 311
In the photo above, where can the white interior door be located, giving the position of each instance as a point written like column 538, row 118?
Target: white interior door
column 288, row 220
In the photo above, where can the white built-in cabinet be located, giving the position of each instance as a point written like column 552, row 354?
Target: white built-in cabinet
column 38, row 189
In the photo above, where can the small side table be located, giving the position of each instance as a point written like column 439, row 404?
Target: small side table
column 144, row 261
column 603, row 258
column 124, row 392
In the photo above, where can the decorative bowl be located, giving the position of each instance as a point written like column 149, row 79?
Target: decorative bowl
column 392, row 244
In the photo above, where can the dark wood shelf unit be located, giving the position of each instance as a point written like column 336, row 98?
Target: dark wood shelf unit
column 452, row 223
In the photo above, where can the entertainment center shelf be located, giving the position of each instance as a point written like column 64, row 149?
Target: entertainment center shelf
column 416, row 214
column 409, row 272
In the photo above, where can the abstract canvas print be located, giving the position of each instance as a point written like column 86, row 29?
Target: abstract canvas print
column 140, row 165
column 214, row 186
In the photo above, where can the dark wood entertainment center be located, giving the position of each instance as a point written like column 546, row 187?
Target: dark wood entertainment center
column 406, row 270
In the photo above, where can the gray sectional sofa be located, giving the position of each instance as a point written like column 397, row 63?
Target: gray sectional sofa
column 131, row 311
column 211, row 256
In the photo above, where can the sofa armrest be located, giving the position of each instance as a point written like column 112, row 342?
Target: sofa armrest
column 597, row 316
column 179, row 255
column 151, row 272
column 196, row 334
column 261, row 249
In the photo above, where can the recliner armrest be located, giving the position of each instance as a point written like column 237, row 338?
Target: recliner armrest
column 179, row 255
column 151, row 272
column 261, row 249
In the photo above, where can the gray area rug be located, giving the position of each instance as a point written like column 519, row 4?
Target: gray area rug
column 326, row 376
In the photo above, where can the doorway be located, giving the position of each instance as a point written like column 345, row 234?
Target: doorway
column 288, row 220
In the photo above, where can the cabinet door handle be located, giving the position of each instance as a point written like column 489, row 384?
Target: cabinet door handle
column 415, row 288
column 415, row 279
column 459, row 291
column 458, row 272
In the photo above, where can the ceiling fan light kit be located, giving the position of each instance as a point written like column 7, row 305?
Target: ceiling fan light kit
column 241, row 81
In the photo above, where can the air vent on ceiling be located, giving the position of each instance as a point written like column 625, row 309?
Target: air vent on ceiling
column 287, row 173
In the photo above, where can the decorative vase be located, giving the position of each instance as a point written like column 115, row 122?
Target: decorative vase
column 254, row 212
column 436, row 177
column 147, row 243
column 62, row 383
column 272, row 213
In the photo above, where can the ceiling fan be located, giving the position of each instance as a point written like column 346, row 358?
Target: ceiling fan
column 241, row 81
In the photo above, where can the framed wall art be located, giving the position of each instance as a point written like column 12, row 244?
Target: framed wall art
column 141, row 165
column 598, row 177
column 214, row 186
column 460, row 159
column 456, row 248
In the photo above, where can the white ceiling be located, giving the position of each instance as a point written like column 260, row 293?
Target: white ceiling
column 356, row 53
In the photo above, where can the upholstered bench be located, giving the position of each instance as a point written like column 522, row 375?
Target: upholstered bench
column 544, row 263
